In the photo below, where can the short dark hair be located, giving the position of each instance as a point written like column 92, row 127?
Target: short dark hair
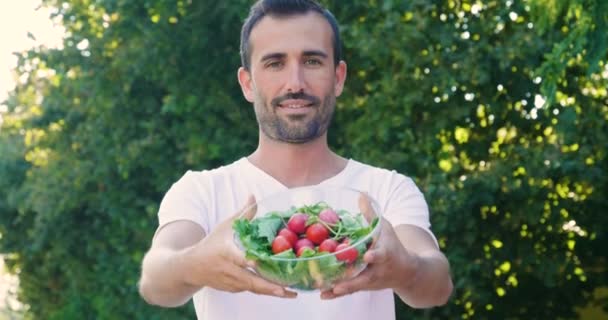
column 282, row 8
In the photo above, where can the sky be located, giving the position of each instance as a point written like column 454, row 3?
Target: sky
column 17, row 18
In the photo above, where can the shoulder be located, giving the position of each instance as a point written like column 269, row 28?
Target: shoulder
column 378, row 174
column 383, row 184
column 208, row 175
column 205, row 196
column 203, row 181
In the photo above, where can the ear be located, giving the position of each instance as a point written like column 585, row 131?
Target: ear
column 246, row 83
column 340, row 78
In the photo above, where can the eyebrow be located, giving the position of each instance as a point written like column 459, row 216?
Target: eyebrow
column 317, row 53
column 306, row 53
column 272, row 56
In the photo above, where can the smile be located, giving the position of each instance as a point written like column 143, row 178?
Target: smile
column 294, row 106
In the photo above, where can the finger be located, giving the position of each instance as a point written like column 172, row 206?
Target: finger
column 290, row 294
column 249, row 209
column 361, row 282
column 366, row 208
column 258, row 285
column 238, row 257
column 328, row 295
column 240, row 260
column 376, row 255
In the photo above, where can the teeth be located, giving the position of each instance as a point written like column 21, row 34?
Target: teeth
column 294, row 106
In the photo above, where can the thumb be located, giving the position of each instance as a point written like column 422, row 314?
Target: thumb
column 249, row 209
column 366, row 208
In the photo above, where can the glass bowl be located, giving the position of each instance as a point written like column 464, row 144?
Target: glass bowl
column 306, row 258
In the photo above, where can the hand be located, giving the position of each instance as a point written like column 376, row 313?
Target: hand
column 390, row 265
column 219, row 264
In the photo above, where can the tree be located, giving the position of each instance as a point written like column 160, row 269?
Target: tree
column 498, row 110
column 512, row 168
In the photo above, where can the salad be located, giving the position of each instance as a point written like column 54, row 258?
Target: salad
column 308, row 247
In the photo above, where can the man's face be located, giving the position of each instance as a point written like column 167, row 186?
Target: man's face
column 293, row 81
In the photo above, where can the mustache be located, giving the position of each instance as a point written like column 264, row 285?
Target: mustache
column 295, row 96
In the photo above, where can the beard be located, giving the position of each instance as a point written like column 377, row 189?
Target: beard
column 295, row 128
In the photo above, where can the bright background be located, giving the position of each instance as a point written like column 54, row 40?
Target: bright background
column 18, row 19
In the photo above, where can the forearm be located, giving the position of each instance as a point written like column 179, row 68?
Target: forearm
column 162, row 282
column 431, row 285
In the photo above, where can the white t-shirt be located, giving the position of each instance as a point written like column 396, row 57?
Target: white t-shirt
column 208, row 197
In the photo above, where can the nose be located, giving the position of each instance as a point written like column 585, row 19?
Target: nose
column 295, row 79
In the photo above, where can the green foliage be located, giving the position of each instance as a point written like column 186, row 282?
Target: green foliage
column 582, row 24
column 498, row 109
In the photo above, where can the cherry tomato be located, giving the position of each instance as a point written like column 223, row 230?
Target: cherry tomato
column 297, row 223
column 291, row 236
column 302, row 249
column 280, row 244
column 328, row 245
column 317, row 232
column 329, row 216
column 303, row 243
column 349, row 255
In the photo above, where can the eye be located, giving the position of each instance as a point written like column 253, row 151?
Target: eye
column 274, row 65
column 312, row 62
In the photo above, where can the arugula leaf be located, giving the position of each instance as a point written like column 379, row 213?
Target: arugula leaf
column 242, row 227
column 332, row 268
column 256, row 247
column 349, row 222
column 283, row 214
column 364, row 231
column 267, row 227
column 313, row 210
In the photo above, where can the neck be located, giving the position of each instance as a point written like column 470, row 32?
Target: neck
column 297, row 165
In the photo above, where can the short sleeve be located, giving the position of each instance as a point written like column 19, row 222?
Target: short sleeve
column 406, row 205
column 185, row 201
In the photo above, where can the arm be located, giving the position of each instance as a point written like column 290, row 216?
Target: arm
column 405, row 259
column 164, row 266
column 431, row 284
column 182, row 260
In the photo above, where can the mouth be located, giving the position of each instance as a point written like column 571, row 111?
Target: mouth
column 295, row 104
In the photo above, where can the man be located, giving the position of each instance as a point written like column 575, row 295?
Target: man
column 292, row 73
